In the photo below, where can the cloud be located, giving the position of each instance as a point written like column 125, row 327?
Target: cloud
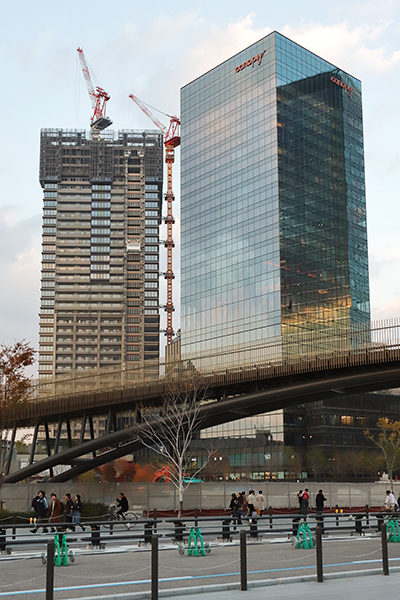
column 20, row 277
column 342, row 45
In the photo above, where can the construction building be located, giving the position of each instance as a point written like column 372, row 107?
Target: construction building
column 100, row 256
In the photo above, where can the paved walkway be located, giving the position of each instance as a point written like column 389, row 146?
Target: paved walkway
column 367, row 587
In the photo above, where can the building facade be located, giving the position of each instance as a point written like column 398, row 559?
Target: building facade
column 274, row 239
column 100, row 256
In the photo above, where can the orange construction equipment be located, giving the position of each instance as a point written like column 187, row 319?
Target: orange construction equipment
column 172, row 139
column 162, row 474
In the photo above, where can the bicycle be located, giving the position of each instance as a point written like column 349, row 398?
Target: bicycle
column 128, row 518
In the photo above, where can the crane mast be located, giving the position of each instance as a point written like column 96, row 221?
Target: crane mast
column 98, row 98
column 171, row 141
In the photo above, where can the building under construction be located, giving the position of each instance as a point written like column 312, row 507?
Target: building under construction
column 100, row 257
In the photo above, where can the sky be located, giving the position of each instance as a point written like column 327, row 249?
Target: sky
column 153, row 50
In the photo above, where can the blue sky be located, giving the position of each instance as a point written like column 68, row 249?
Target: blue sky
column 152, row 50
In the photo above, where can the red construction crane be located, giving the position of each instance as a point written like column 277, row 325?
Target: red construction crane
column 98, row 98
column 172, row 139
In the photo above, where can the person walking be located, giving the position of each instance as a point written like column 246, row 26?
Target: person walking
column 260, row 501
column 77, row 511
column 300, row 498
column 244, row 504
column 39, row 503
column 233, row 504
column 250, row 504
column 239, row 507
column 305, row 503
column 55, row 511
column 69, row 511
column 319, row 502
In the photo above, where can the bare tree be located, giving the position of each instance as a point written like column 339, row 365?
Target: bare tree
column 317, row 461
column 388, row 441
column 169, row 429
column 15, row 390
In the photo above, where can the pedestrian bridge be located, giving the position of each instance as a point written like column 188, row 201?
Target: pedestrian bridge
column 240, row 381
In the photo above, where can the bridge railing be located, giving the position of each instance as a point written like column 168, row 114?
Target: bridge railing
column 276, row 356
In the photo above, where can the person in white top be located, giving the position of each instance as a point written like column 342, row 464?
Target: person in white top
column 390, row 502
column 260, row 500
column 250, row 503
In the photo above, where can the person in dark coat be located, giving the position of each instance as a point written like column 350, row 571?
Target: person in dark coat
column 69, row 510
column 76, row 519
column 319, row 502
column 55, row 511
column 122, row 504
column 39, row 503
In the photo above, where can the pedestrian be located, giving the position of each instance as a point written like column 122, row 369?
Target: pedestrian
column 76, row 517
column 305, row 502
column 251, row 500
column 300, row 498
column 55, row 511
column 260, row 500
column 244, row 504
column 233, row 505
column 239, row 507
column 319, row 502
column 390, row 504
column 69, row 511
column 39, row 503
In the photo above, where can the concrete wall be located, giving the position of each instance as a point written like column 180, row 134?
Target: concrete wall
column 163, row 496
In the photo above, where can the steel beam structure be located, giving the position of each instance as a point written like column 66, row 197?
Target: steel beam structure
column 274, row 395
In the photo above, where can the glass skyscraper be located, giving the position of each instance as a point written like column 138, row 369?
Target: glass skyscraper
column 273, row 198
column 273, row 216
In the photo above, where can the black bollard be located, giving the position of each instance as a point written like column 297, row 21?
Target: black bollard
column 385, row 558
column 226, row 530
column 15, row 520
column 50, row 570
column 154, row 567
column 3, row 540
column 318, row 549
column 295, row 526
column 243, row 561
column 179, row 529
column 358, row 524
column 148, row 532
column 270, row 517
column 253, row 529
column 95, row 539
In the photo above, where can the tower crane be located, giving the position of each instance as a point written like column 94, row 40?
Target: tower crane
column 172, row 139
column 98, row 98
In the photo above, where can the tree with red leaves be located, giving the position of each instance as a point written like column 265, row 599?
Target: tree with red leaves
column 15, row 391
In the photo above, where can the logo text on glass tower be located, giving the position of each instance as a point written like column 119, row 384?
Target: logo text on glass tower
column 250, row 62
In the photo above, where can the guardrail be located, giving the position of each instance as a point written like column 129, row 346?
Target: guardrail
column 285, row 354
